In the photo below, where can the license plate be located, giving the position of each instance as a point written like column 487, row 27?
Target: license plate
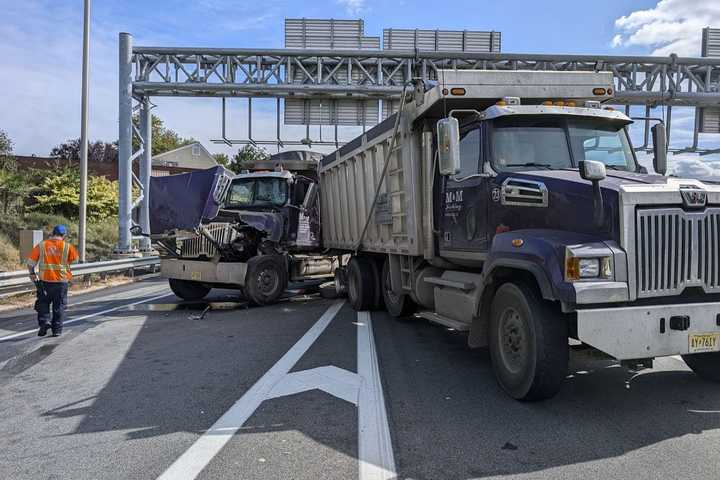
column 195, row 276
column 705, row 342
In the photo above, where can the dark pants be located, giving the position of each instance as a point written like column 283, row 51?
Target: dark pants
column 55, row 294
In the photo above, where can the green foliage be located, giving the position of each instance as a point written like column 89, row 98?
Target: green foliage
column 59, row 194
column 6, row 148
column 163, row 139
column 221, row 159
column 98, row 152
column 246, row 155
column 102, row 235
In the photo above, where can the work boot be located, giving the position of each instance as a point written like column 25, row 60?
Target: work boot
column 56, row 333
column 43, row 330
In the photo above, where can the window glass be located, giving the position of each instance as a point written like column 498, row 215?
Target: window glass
column 532, row 143
column 604, row 144
column 469, row 153
column 539, row 145
column 258, row 192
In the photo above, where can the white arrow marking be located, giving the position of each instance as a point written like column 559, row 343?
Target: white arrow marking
column 194, row 460
column 330, row 379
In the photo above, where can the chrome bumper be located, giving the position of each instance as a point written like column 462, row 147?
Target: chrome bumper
column 231, row 273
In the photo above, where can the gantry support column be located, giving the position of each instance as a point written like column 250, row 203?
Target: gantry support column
column 145, row 171
column 124, row 245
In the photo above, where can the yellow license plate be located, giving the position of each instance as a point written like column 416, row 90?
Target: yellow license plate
column 195, row 276
column 705, row 342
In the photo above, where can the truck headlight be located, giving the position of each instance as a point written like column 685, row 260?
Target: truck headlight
column 577, row 268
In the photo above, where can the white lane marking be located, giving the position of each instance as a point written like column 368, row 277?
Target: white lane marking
column 330, row 379
column 200, row 453
column 89, row 315
column 376, row 458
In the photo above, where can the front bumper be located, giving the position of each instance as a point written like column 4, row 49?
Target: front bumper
column 231, row 273
column 635, row 332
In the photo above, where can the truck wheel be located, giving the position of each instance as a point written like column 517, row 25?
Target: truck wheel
column 528, row 343
column 266, row 279
column 705, row 365
column 341, row 282
column 188, row 290
column 362, row 284
column 397, row 305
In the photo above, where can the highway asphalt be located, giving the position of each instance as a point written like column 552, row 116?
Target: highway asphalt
column 310, row 389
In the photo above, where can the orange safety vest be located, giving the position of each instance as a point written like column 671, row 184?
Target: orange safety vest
column 53, row 267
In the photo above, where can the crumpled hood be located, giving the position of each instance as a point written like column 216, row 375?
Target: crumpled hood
column 184, row 201
column 269, row 222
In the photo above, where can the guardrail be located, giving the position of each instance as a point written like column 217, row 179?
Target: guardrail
column 12, row 283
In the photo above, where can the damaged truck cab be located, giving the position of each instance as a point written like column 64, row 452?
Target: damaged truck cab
column 254, row 231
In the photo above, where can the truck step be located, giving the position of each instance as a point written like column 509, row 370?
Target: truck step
column 445, row 321
column 464, row 286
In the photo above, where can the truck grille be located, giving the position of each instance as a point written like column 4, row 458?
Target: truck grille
column 676, row 249
column 200, row 246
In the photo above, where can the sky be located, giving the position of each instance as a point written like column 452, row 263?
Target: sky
column 41, row 41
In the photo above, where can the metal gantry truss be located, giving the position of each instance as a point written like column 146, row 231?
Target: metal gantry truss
column 361, row 74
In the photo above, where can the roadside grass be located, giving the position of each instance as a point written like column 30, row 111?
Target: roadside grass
column 101, row 235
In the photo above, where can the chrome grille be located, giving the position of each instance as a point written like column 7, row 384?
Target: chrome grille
column 676, row 249
column 200, row 246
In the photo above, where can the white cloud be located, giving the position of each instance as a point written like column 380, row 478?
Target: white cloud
column 672, row 26
column 353, row 7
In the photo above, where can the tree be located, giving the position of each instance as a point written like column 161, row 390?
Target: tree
column 7, row 162
column 163, row 139
column 59, row 193
column 13, row 184
column 221, row 159
column 98, row 152
column 247, row 155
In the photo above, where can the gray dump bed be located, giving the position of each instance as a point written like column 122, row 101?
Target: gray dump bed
column 402, row 219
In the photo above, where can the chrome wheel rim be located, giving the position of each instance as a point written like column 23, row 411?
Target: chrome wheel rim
column 513, row 340
column 268, row 281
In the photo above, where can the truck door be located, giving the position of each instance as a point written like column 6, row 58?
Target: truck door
column 463, row 211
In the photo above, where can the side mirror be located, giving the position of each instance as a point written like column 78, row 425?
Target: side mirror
column 448, row 138
column 592, row 170
column 659, row 138
column 310, row 197
column 595, row 171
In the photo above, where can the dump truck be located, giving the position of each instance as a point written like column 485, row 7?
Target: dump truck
column 511, row 205
column 254, row 232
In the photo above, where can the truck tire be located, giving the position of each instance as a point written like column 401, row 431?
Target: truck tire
column 528, row 343
column 362, row 283
column 396, row 305
column 341, row 282
column 705, row 365
column 188, row 290
column 266, row 279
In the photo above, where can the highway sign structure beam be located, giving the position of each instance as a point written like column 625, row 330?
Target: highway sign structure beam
column 670, row 81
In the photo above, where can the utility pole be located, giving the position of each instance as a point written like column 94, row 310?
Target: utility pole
column 82, row 228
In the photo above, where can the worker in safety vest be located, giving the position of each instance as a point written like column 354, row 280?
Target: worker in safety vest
column 52, row 257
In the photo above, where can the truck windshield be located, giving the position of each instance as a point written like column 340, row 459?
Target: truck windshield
column 531, row 143
column 257, row 192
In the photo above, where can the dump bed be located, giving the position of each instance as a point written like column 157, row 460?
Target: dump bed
column 348, row 180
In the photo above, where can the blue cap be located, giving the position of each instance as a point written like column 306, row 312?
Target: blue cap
column 60, row 230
